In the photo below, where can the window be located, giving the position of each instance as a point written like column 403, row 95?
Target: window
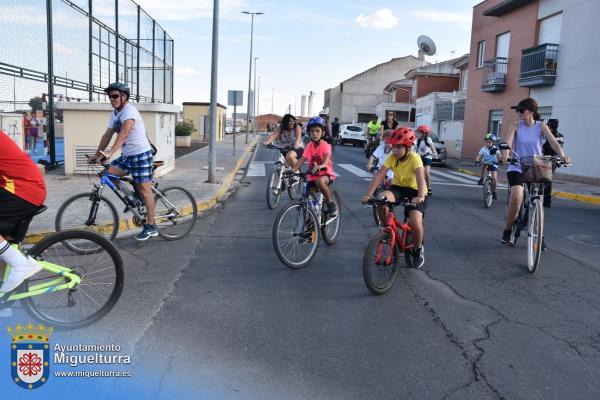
column 550, row 29
column 502, row 45
column 495, row 124
column 480, row 54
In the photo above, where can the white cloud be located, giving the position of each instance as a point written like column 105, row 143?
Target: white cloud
column 381, row 19
column 186, row 71
column 442, row 16
column 187, row 9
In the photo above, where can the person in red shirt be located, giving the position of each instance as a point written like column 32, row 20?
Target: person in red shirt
column 318, row 155
column 22, row 191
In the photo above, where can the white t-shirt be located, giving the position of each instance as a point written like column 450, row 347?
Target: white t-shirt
column 137, row 141
column 381, row 155
column 423, row 148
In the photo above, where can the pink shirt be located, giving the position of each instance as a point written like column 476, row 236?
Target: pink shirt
column 315, row 155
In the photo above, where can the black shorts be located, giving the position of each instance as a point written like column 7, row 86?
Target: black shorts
column 402, row 192
column 514, row 178
column 298, row 150
column 312, row 184
column 13, row 210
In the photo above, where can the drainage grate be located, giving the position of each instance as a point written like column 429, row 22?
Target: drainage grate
column 587, row 240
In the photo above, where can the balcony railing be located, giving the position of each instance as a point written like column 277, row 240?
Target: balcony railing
column 494, row 75
column 538, row 65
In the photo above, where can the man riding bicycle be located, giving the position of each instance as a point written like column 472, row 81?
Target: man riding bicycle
column 136, row 154
column 22, row 192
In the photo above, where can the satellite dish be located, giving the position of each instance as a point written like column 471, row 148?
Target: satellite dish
column 426, row 45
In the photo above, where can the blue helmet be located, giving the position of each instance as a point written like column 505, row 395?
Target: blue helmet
column 315, row 121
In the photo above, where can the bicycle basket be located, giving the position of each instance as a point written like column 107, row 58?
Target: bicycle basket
column 536, row 169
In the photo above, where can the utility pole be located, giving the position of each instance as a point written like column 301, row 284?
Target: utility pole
column 252, row 14
column 212, row 157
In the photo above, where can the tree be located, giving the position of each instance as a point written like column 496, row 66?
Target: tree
column 35, row 103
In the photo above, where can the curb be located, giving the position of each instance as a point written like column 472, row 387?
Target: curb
column 128, row 225
column 582, row 198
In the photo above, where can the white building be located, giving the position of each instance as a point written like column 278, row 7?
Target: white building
column 566, row 78
column 356, row 99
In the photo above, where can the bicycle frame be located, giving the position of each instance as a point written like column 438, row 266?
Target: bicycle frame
column 66, row 280
column 393, row 226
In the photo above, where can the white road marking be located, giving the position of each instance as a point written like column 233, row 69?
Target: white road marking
column 503, row 187
column 361, row 173
column 460, row 174
column 256, row 169
column 450, row 176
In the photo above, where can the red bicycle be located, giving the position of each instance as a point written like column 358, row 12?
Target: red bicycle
column 380, row 262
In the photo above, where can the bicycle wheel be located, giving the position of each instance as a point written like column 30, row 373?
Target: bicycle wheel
column 331, row 230
column 535, row 233
column 295, row 235
column 74, row 214
column 274, row 187
column 380, row 266
column 101, row 274
column 487, row 193
column 175, row 213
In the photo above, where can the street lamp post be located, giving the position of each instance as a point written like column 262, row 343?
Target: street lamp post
column 254, row 99
column 258, row 97
column 252, row 14
column 212, row 157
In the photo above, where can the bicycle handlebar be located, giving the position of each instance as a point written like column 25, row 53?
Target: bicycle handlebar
column 405, row 201
column 281, row 149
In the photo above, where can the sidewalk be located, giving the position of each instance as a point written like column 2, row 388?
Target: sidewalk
column 563, row 189
column 191, row 172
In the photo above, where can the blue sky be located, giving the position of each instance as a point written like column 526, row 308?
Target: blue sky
column 302, row 45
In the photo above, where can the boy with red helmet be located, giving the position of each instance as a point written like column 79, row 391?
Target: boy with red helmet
column 408, row 182
column 427, row 151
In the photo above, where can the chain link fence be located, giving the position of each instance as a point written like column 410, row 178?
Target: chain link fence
column 93, row 42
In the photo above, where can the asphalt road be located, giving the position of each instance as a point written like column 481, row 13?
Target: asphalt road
column 217, row 316
column 472, row 324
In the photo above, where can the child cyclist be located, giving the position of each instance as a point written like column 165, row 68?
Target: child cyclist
column 320, row 165
column 409, row 182
column 488, row 155
column 379, row 155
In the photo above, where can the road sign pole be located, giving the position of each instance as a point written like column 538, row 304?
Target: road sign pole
column 234, row 119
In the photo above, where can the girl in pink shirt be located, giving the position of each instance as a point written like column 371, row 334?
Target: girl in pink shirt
column 318, row 155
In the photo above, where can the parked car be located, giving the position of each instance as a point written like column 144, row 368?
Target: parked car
column 229, row 129
column 440, row 147
column 351, row 133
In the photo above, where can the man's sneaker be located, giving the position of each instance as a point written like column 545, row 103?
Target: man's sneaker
column 494, row 196
column 507, row 237
column 146, row 233
column 332, row 209
column 418, row 257
column 480, row 182
column 544, row 247
column 428, row 192
column 19, row 273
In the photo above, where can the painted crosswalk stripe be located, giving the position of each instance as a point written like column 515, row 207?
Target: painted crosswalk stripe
column 450, row 176
column 361, row 173
column 256, row 169
column 473, row 178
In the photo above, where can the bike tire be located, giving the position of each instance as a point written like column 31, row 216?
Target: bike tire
column 309, row 237
column 535, row 233
column 186, row 212
column 375, row 263
column 49, row 249
column 109, row 220
column 331, row 230
column 273, row 185
column 487, row 193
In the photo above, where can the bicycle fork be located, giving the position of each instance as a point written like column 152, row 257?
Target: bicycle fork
column 389, row 257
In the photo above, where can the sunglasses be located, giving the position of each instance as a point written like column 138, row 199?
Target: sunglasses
column 114, row 96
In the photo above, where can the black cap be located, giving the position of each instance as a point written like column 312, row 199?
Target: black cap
column 527, row 104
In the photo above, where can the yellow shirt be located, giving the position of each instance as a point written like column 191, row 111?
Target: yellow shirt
column 404, row 171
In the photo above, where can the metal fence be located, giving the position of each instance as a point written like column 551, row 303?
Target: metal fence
column 70, row 50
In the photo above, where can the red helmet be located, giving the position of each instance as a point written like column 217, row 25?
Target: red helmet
column 402, row 135
column 423, row 129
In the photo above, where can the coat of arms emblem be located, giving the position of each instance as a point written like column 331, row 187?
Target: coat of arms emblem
column 30, row 355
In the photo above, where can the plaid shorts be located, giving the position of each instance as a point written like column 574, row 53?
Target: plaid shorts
column 138, row 165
